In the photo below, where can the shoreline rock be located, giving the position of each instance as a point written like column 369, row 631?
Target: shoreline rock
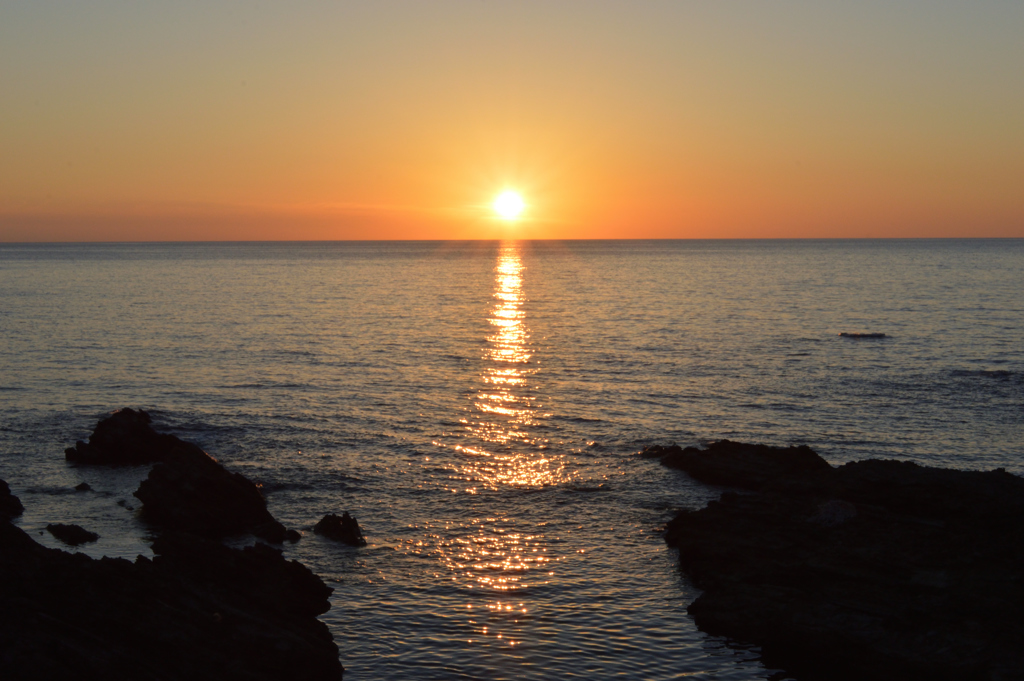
column 187, row 490
column 876, row 569
column 10, row 505
column 198, row 610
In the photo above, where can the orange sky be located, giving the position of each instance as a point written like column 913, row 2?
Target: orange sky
column 402, row 120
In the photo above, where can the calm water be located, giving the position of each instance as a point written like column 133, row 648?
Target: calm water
column 478, row 407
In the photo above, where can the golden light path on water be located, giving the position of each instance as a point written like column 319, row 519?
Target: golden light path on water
column 502, row 453
column 504, row 407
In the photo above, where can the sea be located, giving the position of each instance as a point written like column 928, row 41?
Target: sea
column 479, row 408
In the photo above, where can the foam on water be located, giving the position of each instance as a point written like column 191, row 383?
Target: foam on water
column 477, row 406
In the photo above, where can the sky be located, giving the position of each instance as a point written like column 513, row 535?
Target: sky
column 157, row 121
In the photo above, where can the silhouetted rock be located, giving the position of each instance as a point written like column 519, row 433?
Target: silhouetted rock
column 10, row 505
column 876, row 569
column 71, row 534
column 343, row 528
column 259, row 571
column 191, row 492
column 736, row 464
column 125, row 438
column 187, row 489
column 83, row 487
column 198, row 611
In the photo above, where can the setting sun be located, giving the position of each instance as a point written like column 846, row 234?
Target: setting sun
column 509, row 205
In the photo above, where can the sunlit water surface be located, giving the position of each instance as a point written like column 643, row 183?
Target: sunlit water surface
column 478, row 407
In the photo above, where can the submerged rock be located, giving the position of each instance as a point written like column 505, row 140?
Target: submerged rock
column 10, row 505
column 198, row 611
column 72, row 535
column 660, row 451
column 343, row 528
column 875, row 569
column 83, row 487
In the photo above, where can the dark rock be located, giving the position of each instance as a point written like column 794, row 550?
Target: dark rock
column 260, row 571
column 10, row 505
column 343, row 528
column 735, row 464
column 83, row 487
column 192, row 492
column 125, row 438
column 198, row 611
column 187, row 489
column 876, row 569
column 71, row 534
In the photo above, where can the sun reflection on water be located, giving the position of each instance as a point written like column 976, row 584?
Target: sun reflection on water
column 501, row 448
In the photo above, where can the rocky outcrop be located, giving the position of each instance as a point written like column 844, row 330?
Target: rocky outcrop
column 187, row 490
column 10, row 505
column 343, row 528
column 198, row 611
column 737, row 464
column 125, row 438
column 73, row 535
column 192, row 492
column 875, row 569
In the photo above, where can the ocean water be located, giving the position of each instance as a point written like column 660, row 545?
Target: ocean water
column 478, row 407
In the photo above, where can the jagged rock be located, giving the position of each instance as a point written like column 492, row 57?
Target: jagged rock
column 192, row 492
column 198, row 611
column 125, row 438
column 343, row 528
column 10, row 505
column 187, row 489
column 83, row 487
column 72, row 535
column 876, row 569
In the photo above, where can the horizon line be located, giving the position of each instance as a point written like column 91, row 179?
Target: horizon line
column 330, row 241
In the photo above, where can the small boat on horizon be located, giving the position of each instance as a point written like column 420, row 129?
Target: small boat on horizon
column 844, row 334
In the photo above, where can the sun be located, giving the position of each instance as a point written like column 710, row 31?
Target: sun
column 509, row 205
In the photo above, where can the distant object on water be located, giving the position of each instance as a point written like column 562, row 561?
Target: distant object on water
column 862, row 335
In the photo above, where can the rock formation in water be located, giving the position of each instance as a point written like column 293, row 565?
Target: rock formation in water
column 10, row 505
column 187, row 489
column 343, row 528
column 72, row 535
column 198, row 611
column 125, row 438
column 876, row 569
column 192, row 492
